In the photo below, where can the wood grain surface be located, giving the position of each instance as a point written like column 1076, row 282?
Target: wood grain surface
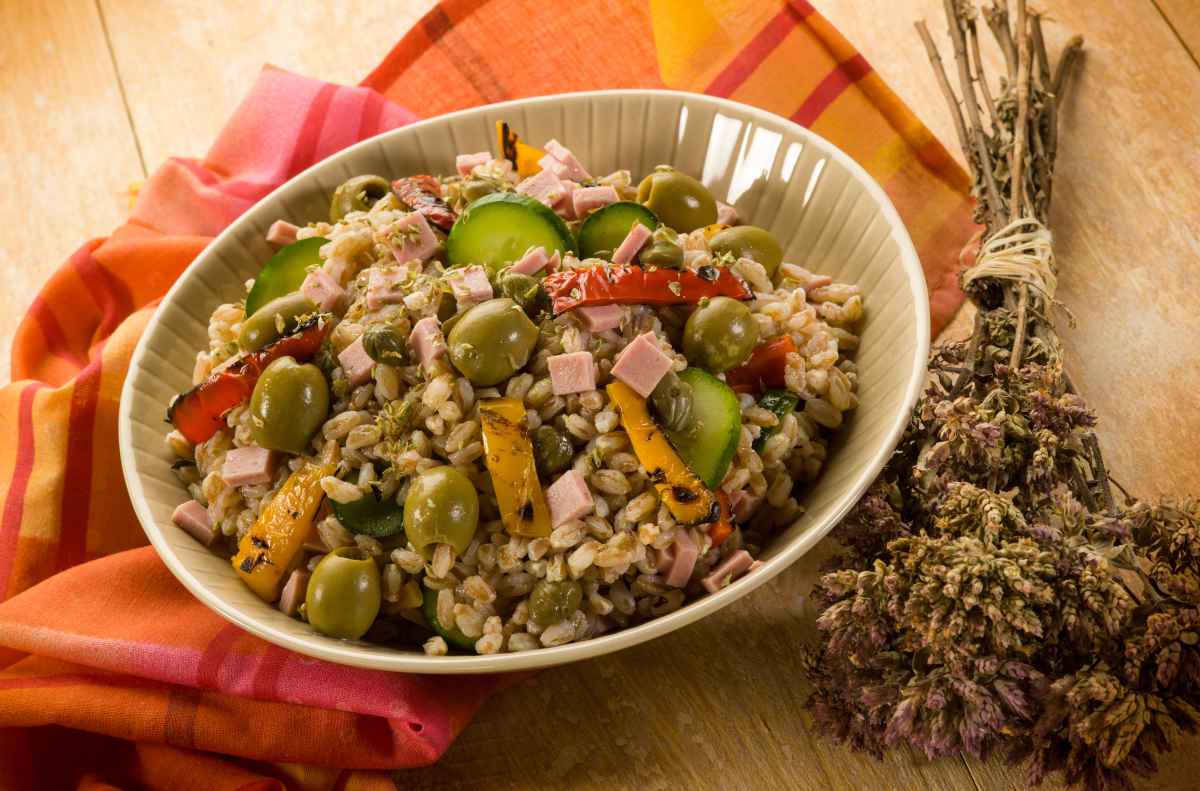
column 92, row 90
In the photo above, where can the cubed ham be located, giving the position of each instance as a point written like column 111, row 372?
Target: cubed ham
column 294, row 592
column 642, row 364
column 532, row 262
column 727, row 571
column 320, row 287
column 598, row 318
column 566, row 206
column 543, row 186
column 465, row 163
column 427, row 341
column 683, row 556
column 568, row 498
column 726, row 214
column 192, row 516
column 637, row 236
column 248, row 466
column 356, row 363
column 412, row 238
column 385, row 287
column 564, row 163
column 587, row 199
column 470, row 285
column 743, row 504
column 282, row 233
column 572, row 373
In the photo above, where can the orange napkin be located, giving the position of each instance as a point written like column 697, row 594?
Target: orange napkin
column 111, row 675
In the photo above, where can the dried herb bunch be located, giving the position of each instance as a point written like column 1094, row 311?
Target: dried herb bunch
column 992, row 595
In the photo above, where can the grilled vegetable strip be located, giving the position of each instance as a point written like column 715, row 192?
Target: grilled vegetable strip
column 686, row 497
column 509, row 457
column 723, row 527
column 632, row 285
column 267, row 553
column 524, row 158
column 781, row 403
column 423, row 194
column 765, row 369
column 200, row 412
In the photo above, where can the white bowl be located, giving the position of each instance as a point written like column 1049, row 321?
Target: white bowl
column 830, row 216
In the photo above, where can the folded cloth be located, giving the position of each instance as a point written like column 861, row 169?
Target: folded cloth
column 111, row 675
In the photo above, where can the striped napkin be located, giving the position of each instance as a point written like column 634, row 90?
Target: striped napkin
column 111, row 675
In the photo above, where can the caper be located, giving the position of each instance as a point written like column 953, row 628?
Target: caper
column 385, row 344
column 552, row 450
column 526, row 291
column 672, row 401
column 551, row 602
column 474, row 189
column 274, row 320
column 662, row 254
column 357, row 194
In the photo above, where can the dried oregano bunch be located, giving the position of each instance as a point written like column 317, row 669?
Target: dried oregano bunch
column 991, row 594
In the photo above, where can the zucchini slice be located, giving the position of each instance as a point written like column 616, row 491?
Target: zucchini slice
column 607, row 227
column 284, row 272
column 370, row 515
column 497, row 229
column 708, row 443
column 452, row 636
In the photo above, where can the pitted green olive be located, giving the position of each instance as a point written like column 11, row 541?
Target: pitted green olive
column 357, row 194
column 274, row 320
column 289, row 403
column 442, row 507
column 680, row 201
column 492, row 341
column 344, row 594
column 551, row 602
column 719, row 334
column 749, row 241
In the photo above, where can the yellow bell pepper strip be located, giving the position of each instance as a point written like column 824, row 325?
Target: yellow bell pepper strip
column 524, row 158
column 268, row 551
column 508, row 454
column 688, row 500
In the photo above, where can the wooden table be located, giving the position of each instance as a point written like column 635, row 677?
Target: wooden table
column 97, row 92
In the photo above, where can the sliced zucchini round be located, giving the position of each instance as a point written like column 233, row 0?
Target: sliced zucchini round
column 497, row 229
column 284, row 272
column 710, row 439
column 370, row 515
column 453, row 636
column 607, row 227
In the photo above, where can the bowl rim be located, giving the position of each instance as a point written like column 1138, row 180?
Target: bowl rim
column 366, row 656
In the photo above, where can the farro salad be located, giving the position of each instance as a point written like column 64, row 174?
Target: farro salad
column 513, row 407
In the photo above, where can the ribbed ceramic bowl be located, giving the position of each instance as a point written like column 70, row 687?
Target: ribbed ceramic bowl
column 827, row 212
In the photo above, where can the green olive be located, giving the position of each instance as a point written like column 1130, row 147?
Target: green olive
column 289, row 403
column 679, row 200
column 526, row 291
column 551, row 602
column 492, row 341
column 672, row 401
column 357, row 194
column 719, row 334
column 344, row 594
column 274, row 320
column 552, row 450
column 442, row 507
column 383, row 343
column 749, row 241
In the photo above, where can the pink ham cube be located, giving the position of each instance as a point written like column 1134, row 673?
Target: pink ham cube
column 282, row 233
column 563, row 162
column 566, row 206
column 356, row 363
column 726, row 214
column 427, row 341
column 587, row 199
column 532, row 262
column 743, row 504
column 728, row 570
column 598, row 318
column 572, row 373
column 320, row 287
column 543, row 186
column 248, row 466
column 469, row 285
column 385, row 287
column 568, row 498
column 294, row 592
column 412, row 238
column 192, row 516
column 642, row 364
column 465, row 163
column 637, row 236
column 682, row 557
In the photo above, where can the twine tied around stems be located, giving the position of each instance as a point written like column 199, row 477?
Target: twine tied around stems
column 1021, row 252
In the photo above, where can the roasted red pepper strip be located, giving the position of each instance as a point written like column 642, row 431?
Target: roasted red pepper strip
column 632, row 285
column 765, row 368
column 200, row 412
column 423, row 194
column 723, row 527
